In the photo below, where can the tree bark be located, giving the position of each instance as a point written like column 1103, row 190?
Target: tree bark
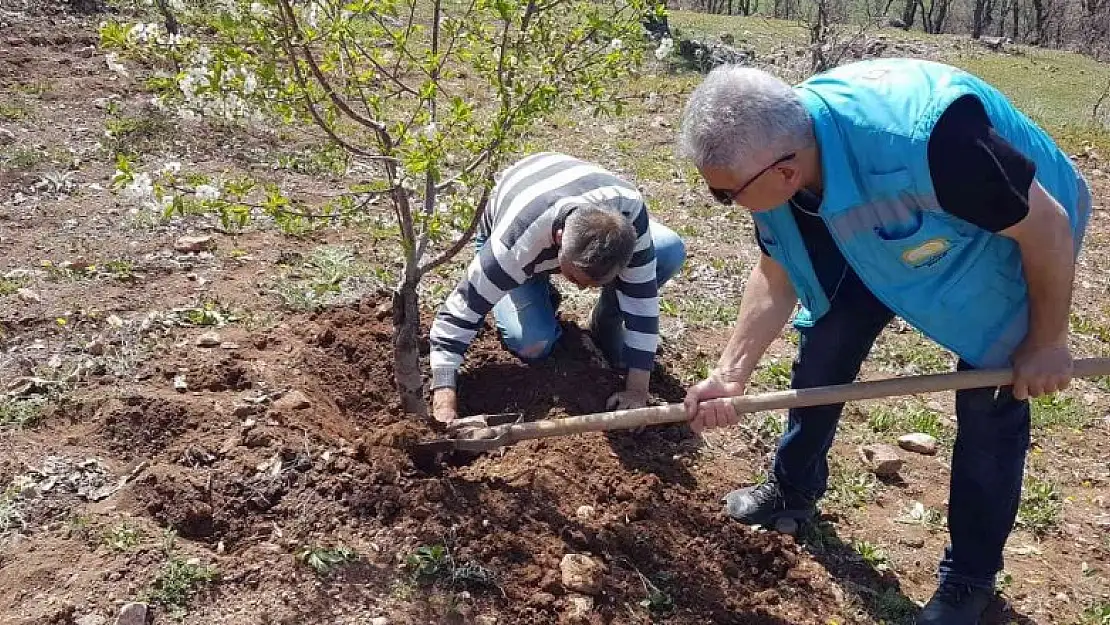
column 909, row 12
column 406, row 349
column 979, row 18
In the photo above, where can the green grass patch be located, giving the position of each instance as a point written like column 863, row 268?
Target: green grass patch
column 326, row 560
column 907, row 418
column 20, row 412
column 122, row 537
column 1096, row 614
column 850, row 486
column 1058, row 90
column 1041, row 506
column 9, row 286
column 1058, row 411
column 774, row 374
column 178, row 581
column 10, row 112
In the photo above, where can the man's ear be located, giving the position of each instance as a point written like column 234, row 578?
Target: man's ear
column 559, row 236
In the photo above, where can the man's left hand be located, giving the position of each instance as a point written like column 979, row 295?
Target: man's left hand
column 1041, row 370
column 627, row 400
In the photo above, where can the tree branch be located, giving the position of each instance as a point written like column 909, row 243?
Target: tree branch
column 450, row 252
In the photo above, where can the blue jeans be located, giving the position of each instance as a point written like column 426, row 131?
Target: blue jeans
column 525, row 317
column 991, row 440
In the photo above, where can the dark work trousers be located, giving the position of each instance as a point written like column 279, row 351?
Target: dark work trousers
column 991, row 442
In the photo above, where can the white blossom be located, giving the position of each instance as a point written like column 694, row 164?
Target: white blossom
column 141, row 187
column 112, row 59
column 616, row 44
column 170, row 167
column 666, row 45
column 429, row 131
column 207, row 192
column 250, row 82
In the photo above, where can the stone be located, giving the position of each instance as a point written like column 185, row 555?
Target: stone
column 192, row 245
column 585, row 513
column 293, row 400
column 132, row 614
column 918, row 443
column 18, row 274
column 728, row 39
column 7, row 137
column 384, row 311
column 379, row 620
column 582, row 573
column 179, row 383
column 883, row 460
column 579, row 608
column 913, row 542
column 91, row 619
column 245, row 410
column 95, row 347
column 208, row 339
column 28, row 295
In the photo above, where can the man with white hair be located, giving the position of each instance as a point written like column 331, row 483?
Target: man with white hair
column 554, row 213
column 883, row 188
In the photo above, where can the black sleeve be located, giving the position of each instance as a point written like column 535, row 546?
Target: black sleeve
column 977, row 175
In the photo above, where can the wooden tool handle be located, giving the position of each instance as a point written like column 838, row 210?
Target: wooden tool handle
column 817, row 396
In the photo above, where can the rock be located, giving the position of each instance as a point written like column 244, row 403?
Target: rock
column 179, row 383
column 918, row 443
column 18, row 274
column 91, row 619
column 208, row 339
column 709, row 54
column 192, row 245
column 379, row 620
column 230, row 346
column 994, row 43
column 95, row 347
column 585, row 513
column 582, row 573
column 786, row 525
column 293, row 400
column 7, row 137
column 579, row 608
column 883, row 460
column 728, row 39
column 913, row 542
column 28, row 295
column 384, row 311
column 245, row 410
column 132, row 614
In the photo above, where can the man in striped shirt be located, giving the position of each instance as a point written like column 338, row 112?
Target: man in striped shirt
column 554, row 213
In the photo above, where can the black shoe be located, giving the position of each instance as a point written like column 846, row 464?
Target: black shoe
column 764, row 504
column 956, row 604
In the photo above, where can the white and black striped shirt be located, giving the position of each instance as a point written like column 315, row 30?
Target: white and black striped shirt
column 526, row 207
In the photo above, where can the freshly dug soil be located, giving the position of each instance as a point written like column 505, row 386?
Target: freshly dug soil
column 248, row 482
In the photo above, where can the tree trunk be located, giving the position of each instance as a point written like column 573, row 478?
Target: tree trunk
column 977, row 21
column 406, row 349
column 909, row 12
column 1040, row 15
column 1016, row 34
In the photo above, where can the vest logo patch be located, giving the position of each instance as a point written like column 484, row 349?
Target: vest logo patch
column 927, row 253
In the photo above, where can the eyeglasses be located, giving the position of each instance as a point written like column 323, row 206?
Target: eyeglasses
column 726, row 196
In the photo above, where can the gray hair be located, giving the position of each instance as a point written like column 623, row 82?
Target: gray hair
column 739, row 117
column 597, row 241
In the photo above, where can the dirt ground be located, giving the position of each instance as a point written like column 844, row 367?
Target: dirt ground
column 193, row 471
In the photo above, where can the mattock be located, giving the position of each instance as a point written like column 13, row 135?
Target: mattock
column 487, row 432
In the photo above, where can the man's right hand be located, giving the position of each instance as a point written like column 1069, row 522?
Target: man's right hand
column 445, row 406
column 715, row 414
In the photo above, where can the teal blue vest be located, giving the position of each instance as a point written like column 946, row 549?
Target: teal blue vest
column 960, row 285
